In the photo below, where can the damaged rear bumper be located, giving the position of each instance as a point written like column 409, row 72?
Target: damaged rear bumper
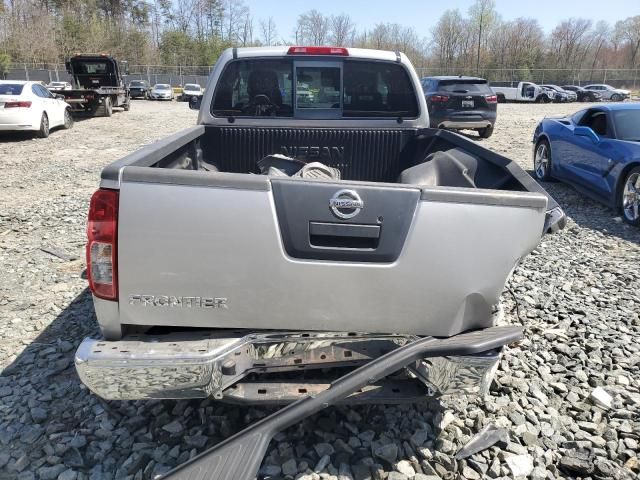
column 231, row 366
column 239, row 456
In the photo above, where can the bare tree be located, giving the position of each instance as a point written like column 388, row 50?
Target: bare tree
column 269, row 31
column 447, row 38
column 235, row 12
column 525, row 43
column 601, row 36
column 568, row 42
column 483, row 18
column 342, row 30
column 629, row 32
column 312, row 28
column 378, row 37
column 245, row 33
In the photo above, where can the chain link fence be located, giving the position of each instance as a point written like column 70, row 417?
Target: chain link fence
column 173, row 75
column 619, row 78
column 179, row 75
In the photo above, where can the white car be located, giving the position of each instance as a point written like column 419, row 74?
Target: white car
column 29, row 106
column 191, row 90
column 608, row 92
column 161, row 91
column 57, row 86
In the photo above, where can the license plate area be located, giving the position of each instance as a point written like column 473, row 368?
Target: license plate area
column 467, row 104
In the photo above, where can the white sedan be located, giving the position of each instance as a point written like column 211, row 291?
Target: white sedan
column 57, row 86
column 30, row 106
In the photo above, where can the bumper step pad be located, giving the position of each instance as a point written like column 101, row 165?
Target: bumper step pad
column 240, row 456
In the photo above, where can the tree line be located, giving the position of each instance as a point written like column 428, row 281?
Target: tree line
column 194, row 32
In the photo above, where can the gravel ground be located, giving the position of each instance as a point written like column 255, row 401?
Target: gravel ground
column 579, row 296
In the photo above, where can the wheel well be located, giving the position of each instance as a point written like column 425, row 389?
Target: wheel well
column 543, row 136
column 621, row 179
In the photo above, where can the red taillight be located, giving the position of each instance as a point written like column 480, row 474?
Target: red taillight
column 102, row 236
column 17, row 104
column 439, row 98
column 318, row 51
column 491, row 98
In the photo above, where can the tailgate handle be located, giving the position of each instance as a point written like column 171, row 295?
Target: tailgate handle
column 343, row 235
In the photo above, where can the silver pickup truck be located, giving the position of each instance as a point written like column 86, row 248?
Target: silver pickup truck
column 310, row 223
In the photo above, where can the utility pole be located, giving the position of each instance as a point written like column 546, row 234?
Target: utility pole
column 479, row 40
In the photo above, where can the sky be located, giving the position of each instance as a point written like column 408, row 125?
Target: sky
column 423, row 14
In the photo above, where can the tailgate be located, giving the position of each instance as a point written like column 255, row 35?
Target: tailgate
column 245, row 251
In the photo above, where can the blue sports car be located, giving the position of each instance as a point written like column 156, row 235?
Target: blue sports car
column 597, row 151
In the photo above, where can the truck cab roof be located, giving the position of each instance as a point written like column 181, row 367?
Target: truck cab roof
column 282, row 51
column 93, row 71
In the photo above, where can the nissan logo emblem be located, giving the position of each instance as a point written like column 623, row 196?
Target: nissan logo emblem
column 346, row 204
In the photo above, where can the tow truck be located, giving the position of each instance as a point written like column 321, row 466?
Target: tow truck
column 99, row 84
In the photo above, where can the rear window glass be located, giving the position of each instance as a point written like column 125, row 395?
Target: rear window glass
column 11, row 88
column 137, row 84
column 255, row 88
column 263, row 87
column 98, row 68
column 466, row 86
column 318, row 87
column 378, row 89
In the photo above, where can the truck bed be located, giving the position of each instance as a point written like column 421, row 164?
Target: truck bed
column 206, row 241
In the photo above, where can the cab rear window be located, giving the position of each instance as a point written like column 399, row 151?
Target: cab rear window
column 91, row 68
column 378, row 89
column 334, row 88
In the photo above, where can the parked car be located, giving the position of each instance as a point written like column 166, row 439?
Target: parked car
column 190, row 90
column 29, row 106
column 597, row 150
column 139, row 89
column 521, row 92
column 304, row 96
column 57, row 86
column 561, row 95
column 582, row 94
column 461, row 103
column 161, row 91
column 607, row 92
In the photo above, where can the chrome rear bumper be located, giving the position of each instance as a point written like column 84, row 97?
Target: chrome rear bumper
column 215, row 363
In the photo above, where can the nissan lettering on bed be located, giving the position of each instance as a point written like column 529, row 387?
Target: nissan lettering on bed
column 332, row 154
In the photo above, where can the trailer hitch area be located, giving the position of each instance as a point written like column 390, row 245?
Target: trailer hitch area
column 239, row 457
